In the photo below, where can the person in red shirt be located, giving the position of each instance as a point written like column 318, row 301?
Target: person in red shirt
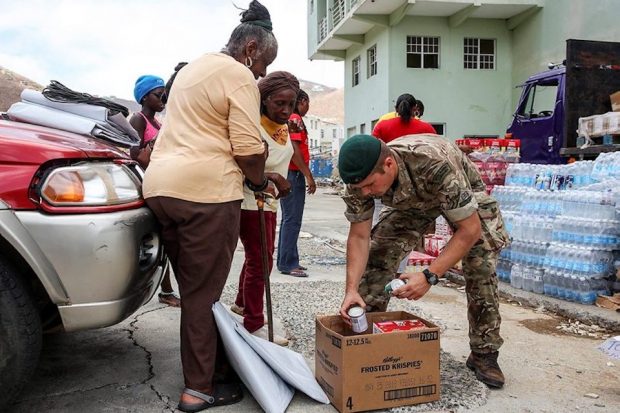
column 404, row 124
column 299, row 175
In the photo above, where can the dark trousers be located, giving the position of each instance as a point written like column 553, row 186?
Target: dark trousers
column 292, row 207
column 200, row 240
column 251, row 279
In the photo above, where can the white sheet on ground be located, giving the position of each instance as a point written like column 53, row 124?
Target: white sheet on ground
column 269, row 390
column 289, row 365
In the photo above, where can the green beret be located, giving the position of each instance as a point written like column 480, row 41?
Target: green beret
column 358, row 156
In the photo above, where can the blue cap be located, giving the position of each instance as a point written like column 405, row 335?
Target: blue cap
column 145, row 84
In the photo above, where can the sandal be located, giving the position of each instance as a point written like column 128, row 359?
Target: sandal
column 301, row 267
column 223, row 394
column 297, row 272
column 170, row 299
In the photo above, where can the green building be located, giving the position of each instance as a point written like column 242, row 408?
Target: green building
column 462, row 58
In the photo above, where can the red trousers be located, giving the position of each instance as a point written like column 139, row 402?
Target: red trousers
column 251, row 279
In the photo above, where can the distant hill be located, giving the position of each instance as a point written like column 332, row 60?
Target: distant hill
column 326, row 102
column 11, row 86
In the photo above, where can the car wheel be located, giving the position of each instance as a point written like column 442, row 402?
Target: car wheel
column 20, row 334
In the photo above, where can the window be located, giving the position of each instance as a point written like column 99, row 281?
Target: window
column 362, row 128
column 350, row 131
column 355, row 70
column 423, row 52
column 541, row 98
column 371, row 55
column 373, row 124
column 478, row 53
column 440, row 128
column 322, row 133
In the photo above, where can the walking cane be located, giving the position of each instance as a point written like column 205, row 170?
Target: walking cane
column 260, row 203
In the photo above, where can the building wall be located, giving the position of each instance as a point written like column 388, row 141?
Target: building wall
column 542, row 38
column 367, row 101
column 469, row 102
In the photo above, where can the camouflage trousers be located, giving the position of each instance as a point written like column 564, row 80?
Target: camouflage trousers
column 396, row 234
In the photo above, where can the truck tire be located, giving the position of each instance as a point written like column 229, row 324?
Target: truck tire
column 20, row 334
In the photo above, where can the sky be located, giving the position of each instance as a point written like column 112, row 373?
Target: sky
column 102, row 46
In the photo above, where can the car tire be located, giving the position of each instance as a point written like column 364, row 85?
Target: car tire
column 20, row 334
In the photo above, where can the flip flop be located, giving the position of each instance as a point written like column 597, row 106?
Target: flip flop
column 301, row 267
column 170, row 299
column 295, row 273
column 224, row 394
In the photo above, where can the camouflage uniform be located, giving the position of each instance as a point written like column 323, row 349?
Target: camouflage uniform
column 434, row 178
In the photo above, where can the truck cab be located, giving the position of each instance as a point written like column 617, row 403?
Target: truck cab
column 547, row 116
column 538, row 120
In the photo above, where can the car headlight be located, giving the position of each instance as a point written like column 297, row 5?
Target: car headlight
column 91, row 185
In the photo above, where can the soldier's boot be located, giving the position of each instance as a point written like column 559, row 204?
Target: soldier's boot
column 486, row 368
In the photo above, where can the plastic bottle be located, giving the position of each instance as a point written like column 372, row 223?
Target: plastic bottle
column 516, row 278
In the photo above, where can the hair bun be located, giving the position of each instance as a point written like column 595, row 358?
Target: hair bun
column 255, row 12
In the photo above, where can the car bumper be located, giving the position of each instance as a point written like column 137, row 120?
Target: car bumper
column 109, row 263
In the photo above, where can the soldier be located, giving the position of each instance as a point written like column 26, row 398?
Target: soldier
column 418, row 178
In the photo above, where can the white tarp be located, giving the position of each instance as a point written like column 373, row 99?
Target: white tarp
column 286, row 364
column 289, row 365
column 80, row 118
column 269, row 390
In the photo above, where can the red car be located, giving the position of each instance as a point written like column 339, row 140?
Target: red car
column 78, row 247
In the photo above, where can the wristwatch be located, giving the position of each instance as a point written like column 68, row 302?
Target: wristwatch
column 431, row 277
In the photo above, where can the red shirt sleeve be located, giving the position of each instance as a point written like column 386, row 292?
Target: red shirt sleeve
column 296, row 136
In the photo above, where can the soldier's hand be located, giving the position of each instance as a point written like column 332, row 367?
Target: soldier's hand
column 415, row 288
column 351, row 299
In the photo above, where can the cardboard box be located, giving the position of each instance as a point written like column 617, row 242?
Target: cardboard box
column 362, row 372
column 615, row 101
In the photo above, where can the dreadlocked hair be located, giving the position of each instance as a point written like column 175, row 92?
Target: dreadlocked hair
column 301, row 96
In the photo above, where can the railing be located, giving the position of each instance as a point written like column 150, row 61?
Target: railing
column 338, row 11
column 322, row 29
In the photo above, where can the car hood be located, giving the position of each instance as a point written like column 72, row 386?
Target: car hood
column 36, row 144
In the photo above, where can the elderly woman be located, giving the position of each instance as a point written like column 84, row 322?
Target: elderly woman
column 278, row 92
column 194, row 185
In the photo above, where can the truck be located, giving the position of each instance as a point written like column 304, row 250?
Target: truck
column 547, row 115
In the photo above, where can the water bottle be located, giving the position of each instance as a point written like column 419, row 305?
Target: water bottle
column 516, row 277
column 549, row 283
column 586, row 294
column 538, row 284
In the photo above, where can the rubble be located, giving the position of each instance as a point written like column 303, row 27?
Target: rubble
column 578, row 328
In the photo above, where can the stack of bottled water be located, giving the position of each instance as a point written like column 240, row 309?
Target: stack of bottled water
column 554, row 177
column 606, row 166
column 563, row 239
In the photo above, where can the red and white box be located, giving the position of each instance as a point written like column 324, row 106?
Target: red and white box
column 397, row 325
column 434, row 244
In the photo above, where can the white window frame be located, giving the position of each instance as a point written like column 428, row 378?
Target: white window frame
column 355, row 71
column 424, row 45
column 473, row 59
column 371, row 58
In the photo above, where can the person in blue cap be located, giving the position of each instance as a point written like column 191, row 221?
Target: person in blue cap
column 149, row 91
column 419, row 177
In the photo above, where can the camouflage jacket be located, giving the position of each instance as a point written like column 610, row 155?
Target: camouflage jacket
column 434, row 177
